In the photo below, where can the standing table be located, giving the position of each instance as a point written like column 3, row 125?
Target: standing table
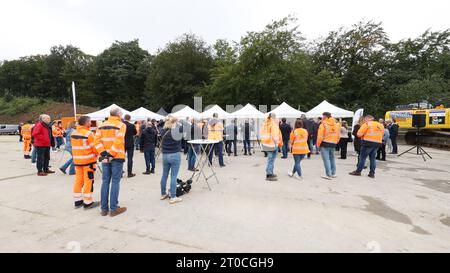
column 206, row 148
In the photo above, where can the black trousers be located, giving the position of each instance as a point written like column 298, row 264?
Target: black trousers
column 394, row 145
column 130, row 154
column 381, row 153
column 343, row 147
column 43, row 158
column 230, row 143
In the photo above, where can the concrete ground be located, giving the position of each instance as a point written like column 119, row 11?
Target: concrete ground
column 405, row 209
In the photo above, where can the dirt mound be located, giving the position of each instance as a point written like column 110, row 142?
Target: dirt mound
column 55, row 110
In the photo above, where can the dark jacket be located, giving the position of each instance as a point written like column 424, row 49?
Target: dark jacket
column 149, row 137
column 393, row 131
column 286, row 130
column 357, row 140
column 129, row 135
column 231, row 131
column 246, row 129
column 171, row 143
column 193, row 132
column 309, row 126
column 316, row 126
column 42, row 135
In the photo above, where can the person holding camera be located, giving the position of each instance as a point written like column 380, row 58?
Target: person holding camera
column 110, row 144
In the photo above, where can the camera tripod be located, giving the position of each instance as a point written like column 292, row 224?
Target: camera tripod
column 418, row 148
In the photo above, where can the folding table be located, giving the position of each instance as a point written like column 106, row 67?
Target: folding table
column 206, row 147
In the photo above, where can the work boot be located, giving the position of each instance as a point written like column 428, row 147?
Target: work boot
column 355, row 173
column 271, row 177
column 91, row 205
column 104, row 213
column 371, row 175
column 130, row 175
column 117, row 212
column 152, row 171
column 146, row 173
column 42, row 174
column 78, row 204
column 49, row 172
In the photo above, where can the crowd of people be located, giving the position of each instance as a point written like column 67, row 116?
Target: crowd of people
column 116, row 139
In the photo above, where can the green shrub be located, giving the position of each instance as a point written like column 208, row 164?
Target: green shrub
column 14, row 106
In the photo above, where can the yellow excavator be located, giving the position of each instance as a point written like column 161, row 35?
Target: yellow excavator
column 436, row 131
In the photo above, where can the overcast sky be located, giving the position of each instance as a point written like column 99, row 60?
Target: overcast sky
column 32, row 26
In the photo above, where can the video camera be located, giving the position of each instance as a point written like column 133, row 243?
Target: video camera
column 183, row 187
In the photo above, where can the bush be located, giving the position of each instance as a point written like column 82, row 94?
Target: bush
column 14, row 106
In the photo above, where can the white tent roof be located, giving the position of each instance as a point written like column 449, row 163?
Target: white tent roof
column 325, row 106
column 248, row 111
column 144, row 114
column 187, row 112
column 286, row 111
column 215, row 109
column 104, row 113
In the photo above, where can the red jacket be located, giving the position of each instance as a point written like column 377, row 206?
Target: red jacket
column 41, row 135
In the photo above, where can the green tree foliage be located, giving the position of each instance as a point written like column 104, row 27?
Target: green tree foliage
column 178, row 72
column 352, row 67
column 119, row 74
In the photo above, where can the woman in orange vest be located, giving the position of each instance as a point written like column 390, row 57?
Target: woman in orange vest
column 299, row 147
column 327, row 139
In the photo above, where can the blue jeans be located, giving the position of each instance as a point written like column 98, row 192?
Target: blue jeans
column 271, row 156
column 328, row 160
column 59, row 142
column 136, row 142
column 285, row 148
column 370, row 152
column 247, row 146
column 218, row 149
column 192, row 158
column 34, row 155
column 297, row 167
column 171, row 162
column 149, row 156
column 67, row 164
column 112, row 173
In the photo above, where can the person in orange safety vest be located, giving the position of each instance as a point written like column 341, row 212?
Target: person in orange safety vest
column 26, row 135
column 299, row 147
column 371, row 134
column 271, row 140
column 85, row 159
column 328, row 137
column 110, row 144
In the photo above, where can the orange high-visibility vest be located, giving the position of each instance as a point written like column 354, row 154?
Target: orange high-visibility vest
column 110, row 137
column 299, row 142
column 83, row 151
column 271, row 135
column 138, row 128
column 215, row 132
column 26, row 131
column 328, row 132
column 371, row 131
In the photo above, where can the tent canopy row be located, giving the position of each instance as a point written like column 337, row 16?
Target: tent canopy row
column 248, row 111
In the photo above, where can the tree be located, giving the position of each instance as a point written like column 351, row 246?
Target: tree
column 179, row 72
column 118, row 75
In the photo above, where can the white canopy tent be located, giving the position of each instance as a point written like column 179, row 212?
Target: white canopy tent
column 215, row 109
column 144, row 114
column 325, row 106
column 186, row 112
column 248, row 111
column 104, row 113
column 286, row 111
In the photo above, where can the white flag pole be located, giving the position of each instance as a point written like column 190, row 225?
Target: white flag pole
column 74, row 101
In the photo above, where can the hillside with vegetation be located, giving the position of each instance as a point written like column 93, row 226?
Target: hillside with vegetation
column 18, row 110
